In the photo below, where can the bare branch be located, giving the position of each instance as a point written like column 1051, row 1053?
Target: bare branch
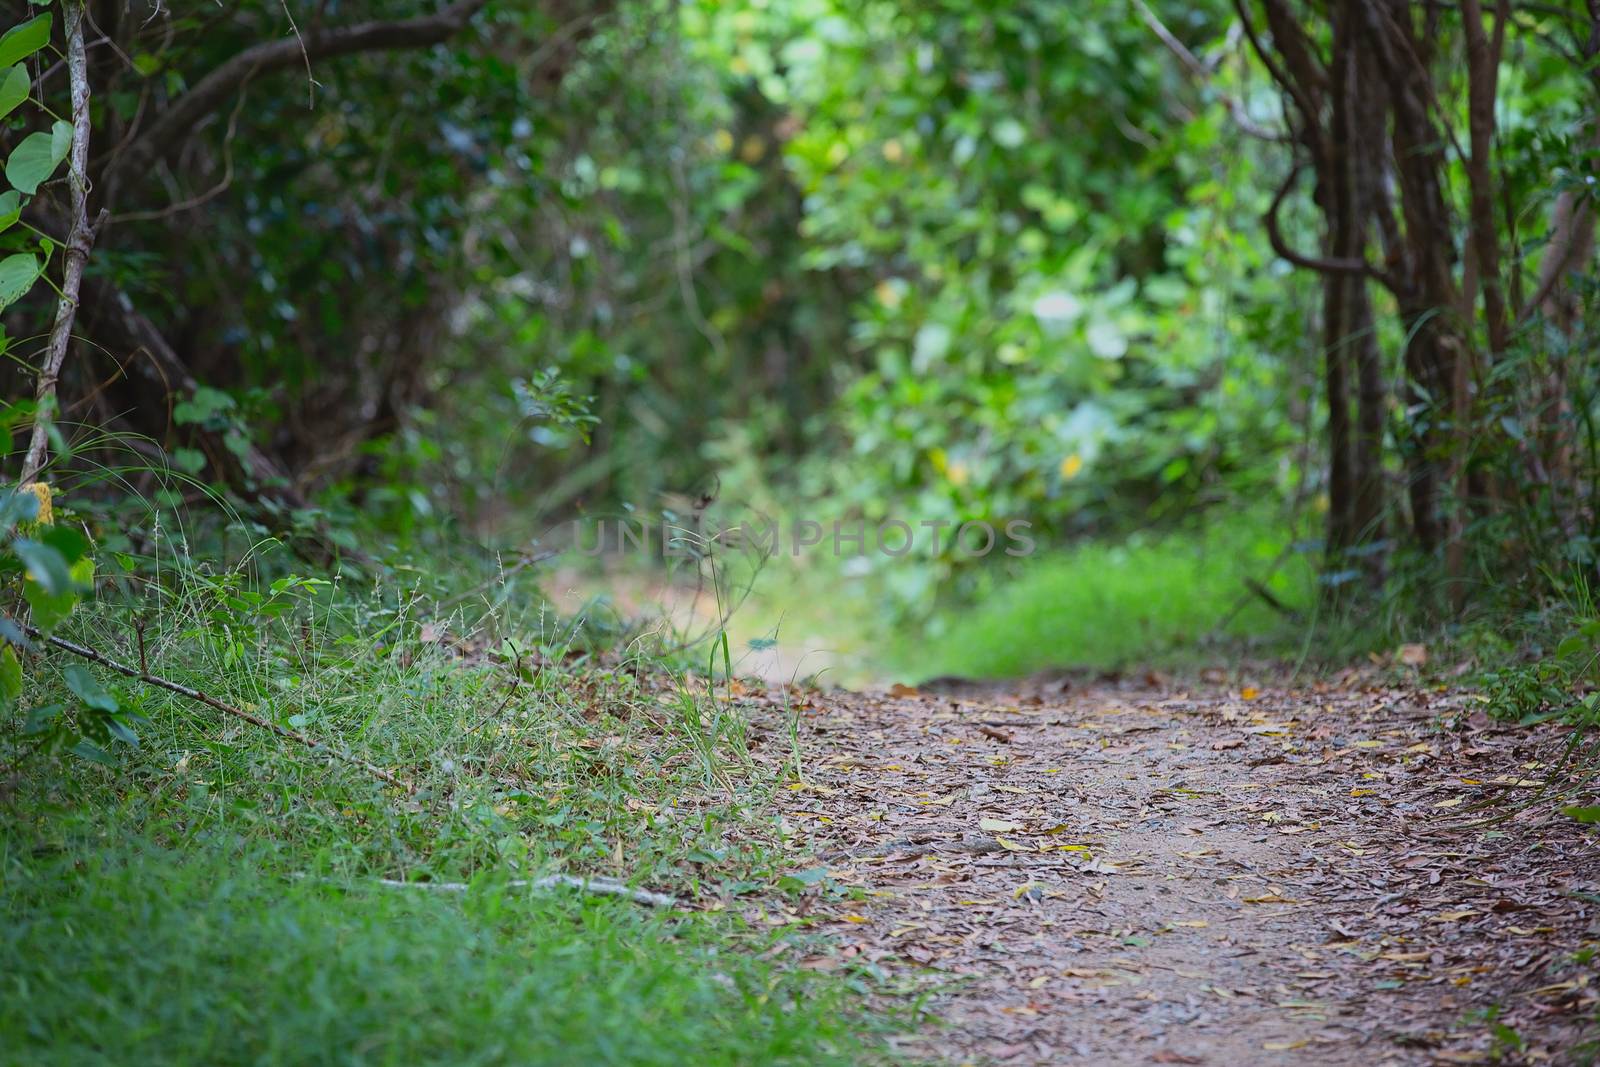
column 143, row 675
column 606, row 887
column 1319, row 264
column 1203, row 74
column 209, row 92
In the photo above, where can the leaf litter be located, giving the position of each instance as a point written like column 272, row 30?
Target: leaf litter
column 1132, row 872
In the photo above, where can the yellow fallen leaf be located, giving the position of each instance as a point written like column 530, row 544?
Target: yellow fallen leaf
column 1195, row 923
column 999, row 826
column 1453, row 802
column 1249, row 692
column 1011, row 846
column 855, row 918
column 1363, row 792
column 1283, row 1046
column 1451, row 916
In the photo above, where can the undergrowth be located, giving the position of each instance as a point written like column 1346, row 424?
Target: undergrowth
column 211, row 893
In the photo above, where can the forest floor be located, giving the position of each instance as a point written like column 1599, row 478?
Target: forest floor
column 1143, row 872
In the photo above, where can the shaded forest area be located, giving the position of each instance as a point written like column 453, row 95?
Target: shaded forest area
column 1103, row 269
column 336, row 330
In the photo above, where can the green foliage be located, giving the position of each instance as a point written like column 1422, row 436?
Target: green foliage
column 49, row 565
column 31, row 162
column 227, row 884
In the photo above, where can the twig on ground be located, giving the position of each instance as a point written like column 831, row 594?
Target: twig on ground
column 605, row 887
column 159, row 682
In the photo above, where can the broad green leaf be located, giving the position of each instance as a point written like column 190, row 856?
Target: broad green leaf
column 94, row 753
column 67, row 540
column 13, row 89
column 203, row 407
column 49, row 609
column 17, row 275
column 122, row 731
column 87, row 688
column 24, row 40
column 10, row 209
column 40, row 719
column 1582, row 814
column 10, row 677
column 60, row 139
column 44, row 565
column 37, row 157
column 17, row 506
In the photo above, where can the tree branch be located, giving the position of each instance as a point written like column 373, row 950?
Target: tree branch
column 80, row 237
column 1321, row 265
column 1202, row 74
column 142, row 674
column 208, row 94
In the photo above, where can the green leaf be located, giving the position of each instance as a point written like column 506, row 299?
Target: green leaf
column 122, row 731
column 1582, row 814
column 24, row 40
column 94, row 753
column 10, row 209
column 49, row 609
column 56, row 585
column 88, row 689
column 204, row 407
column 10, row 677
column 17, row 506
column 37, row 157
column 40, row 719
column 17, row 275
column 45, row 565
column 13, row 89
column 67, row 540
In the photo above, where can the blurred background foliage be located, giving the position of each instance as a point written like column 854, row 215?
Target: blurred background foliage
column 845, row 259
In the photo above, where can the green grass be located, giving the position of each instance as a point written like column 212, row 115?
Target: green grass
column 213, row 897
column 1145, row 601
column 127, row 952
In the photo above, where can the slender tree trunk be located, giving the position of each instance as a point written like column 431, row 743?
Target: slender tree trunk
column 80, row 238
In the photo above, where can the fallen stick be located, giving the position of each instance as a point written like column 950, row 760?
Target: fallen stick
column 605, row 887
column 284, row 732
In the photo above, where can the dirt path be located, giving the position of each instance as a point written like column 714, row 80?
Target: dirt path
column 1136, row 874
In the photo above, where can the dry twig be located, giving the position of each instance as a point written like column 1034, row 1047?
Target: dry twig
column 159, row 682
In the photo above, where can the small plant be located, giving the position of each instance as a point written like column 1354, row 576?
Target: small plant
column 1553, row 686
column 49, row 567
